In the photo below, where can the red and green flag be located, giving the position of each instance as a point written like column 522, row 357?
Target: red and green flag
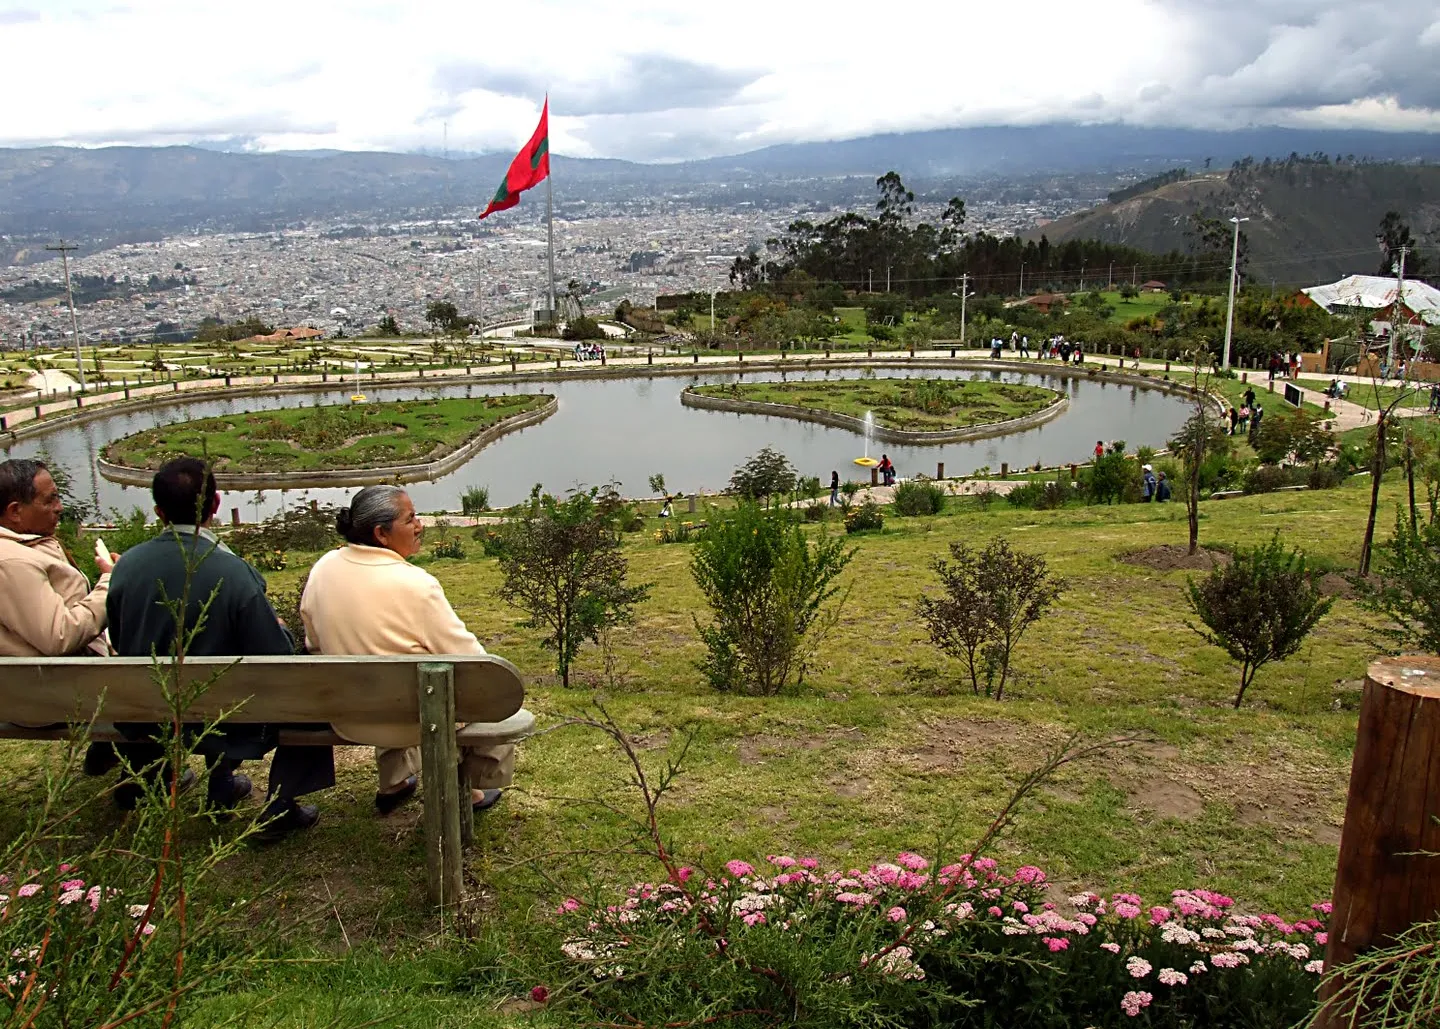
column 530, row 167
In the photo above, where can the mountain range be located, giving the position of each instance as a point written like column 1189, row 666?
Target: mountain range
column 114, row 194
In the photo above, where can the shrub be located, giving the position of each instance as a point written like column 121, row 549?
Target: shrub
column 768, row 589
column 671, row 531
column 988, row 599
column 128, row 531
column 866, row 518
column 656, row 483
column 769, row 473
column 1267, row 478
column 1324, row 476
column 475, row 500
column 903, row 944
column 452, row 548
column 1407, row 585
column 817, row 513
column 492, row 540
column 582, row 328
column 1259, row 608
column 299, row 528
column 919, row 498
column 1112, row 478
column 985, row 496
column 562, row 565
column 1040, row 496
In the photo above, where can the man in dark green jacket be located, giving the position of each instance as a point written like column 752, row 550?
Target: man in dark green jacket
column 238, row 622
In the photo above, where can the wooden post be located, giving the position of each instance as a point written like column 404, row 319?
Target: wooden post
column 439, row 759
column 1074, row 473
column 1004, row 469
column 1382, row 885
column 695, row 357
column 235, row 516
column 692, row 503
column 512, row 362
column 939, row 469
column 874, row 476
column 952, row 351
column 649, row 357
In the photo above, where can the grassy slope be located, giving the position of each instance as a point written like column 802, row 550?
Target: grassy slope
column 883, row 749
column 1372, row 396
column 326, row 437
column 975, row 403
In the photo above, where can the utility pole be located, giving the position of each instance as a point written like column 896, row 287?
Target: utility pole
column 1110, row 277
column 1230, row 310
column 712, row 309
column 1022, row 278
column 1082, row 276
column 64, row 249
column 1397, row 310
column 887, row 278
column 872, row 281
column 964, row 289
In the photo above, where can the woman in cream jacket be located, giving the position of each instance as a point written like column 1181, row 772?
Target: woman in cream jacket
column 367, row 598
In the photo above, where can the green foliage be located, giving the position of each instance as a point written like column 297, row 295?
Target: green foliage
column 212, row 330
column 388, row 326
column 562, row 566
column 919, row 498
column 1112, row 479
column 868, row 517
column 1041, row 496
column 443, row 316
column 299, row 528
column 1406, row 585
column 988, row 599
column 474, row 500
column 769, row 590
column 1258, row 608
column 657, row 484
column 1283, row 434
column 125, row 532
column 582, row 328
column 768, row 474
column 451, row 548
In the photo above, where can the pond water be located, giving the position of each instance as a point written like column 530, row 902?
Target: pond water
column 625, row 430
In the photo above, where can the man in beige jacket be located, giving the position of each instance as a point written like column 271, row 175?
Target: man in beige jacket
column 47, row 607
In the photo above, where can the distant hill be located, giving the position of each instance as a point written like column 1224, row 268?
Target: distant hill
column 1310, row 221
column 114, row 194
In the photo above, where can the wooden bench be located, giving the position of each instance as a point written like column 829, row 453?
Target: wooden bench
column 436, row 691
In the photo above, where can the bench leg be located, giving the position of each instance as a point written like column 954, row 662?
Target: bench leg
column 439, row 759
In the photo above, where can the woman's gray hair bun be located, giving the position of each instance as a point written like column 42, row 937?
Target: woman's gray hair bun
column 374, row 507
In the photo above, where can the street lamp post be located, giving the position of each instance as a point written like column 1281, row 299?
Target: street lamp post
column 64, row 249
column 964, row 292
column 1230, row 310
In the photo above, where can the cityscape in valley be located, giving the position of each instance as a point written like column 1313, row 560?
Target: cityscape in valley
column 755, row 516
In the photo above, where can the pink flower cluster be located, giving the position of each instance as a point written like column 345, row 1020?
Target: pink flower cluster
column 909, row 908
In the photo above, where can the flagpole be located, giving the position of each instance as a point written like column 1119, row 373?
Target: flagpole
column 550, row 233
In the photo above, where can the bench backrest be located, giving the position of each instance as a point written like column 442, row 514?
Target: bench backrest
column 264, row 689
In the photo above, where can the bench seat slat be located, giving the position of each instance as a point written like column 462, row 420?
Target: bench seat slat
column 303, row 688
column 512, row 729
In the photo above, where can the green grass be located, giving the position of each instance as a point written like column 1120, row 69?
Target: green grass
column 352, row 436
column 1373, row 396
column 1141, row 306
column 882, row 749
column 916, row 405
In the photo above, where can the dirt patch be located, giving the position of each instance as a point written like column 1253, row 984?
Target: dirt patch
column 953, row 743
column 1332, row 584
column 765, row 746
column 1169, row 799
column 850, row 788
column 1170, row 558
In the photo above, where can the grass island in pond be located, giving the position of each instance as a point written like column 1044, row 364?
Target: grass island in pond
column 338, row 436
column 912, row 405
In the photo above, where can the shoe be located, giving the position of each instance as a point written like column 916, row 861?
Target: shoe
column 487, row 800
column 388, row 802
column 226, row 794
column 281, row 818
column 100, row 758
column 128, row 793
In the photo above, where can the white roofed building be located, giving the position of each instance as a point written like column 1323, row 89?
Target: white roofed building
column 1420, row 302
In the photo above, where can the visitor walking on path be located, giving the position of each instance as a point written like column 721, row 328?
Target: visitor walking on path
column 1099, row 449
column 1024, row 346
column 1147, row 484
column 834, row 489
column 1162, row 489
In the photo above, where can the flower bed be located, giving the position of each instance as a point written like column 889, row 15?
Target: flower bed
column 900, row 944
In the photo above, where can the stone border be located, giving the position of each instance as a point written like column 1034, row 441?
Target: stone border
column 884, row 434
column 317, row 478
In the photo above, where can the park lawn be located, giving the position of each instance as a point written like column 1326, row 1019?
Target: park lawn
column 883, row 748
column 957, row 403
column 1141, row 306
column 1374, row 396
column 353, row 436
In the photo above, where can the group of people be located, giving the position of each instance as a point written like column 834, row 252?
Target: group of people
column 1287, row 364
column 1152, row 487
column 1336, row 390
column 588, row 351
column 1057, row 347
column 363, row 598
column 1246, row 419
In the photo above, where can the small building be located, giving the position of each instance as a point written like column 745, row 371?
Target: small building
column 1154, row 286
column 1382, row 299
column 1043, row 302
column 288, row 336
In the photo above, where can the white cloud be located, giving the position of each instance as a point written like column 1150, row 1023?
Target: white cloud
column 651, row 79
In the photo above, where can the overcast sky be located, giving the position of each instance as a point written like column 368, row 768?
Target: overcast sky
column 671, row 79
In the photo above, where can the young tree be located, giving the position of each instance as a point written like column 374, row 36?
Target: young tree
column 988, row 599
column 1201, row 435
column 562, row 565
column 768, row 474
column 1259, row 608
column 1408, row 586
column 768, row 588
column 1383, row 423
